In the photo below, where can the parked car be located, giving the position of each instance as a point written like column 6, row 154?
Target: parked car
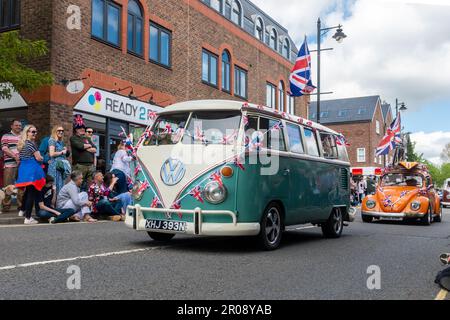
column 446, row 194
column 405, row 191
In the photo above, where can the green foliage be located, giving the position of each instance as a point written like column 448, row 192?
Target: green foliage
column 438, row 173
column 15, row 54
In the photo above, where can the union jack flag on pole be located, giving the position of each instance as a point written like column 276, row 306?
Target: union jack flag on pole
column 300, row 77
column 391, row 139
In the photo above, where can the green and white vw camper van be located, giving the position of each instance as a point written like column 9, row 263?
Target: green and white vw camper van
column 223, row 168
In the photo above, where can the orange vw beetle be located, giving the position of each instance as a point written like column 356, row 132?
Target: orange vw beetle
column 405, row 191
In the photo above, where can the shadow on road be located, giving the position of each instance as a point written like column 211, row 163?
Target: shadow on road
column 231, row 244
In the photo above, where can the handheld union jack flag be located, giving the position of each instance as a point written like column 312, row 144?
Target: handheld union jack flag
column 300, row 77
column 391, row 139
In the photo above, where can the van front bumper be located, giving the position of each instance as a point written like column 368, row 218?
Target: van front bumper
column 388, row 215
column 136, row 220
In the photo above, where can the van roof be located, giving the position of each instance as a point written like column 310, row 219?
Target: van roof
column 203, row 105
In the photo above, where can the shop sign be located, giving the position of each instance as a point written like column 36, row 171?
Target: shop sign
column 116, row 106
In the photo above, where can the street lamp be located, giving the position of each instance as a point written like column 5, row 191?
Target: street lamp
column 339, row 36
column 402, row 106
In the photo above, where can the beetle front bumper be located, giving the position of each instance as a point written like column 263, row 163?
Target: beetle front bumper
column 136, row 220
column 393, row 215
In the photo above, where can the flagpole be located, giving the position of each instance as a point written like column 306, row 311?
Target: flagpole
column 319, row 27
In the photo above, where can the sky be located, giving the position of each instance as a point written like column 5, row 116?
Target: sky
column 394, row 48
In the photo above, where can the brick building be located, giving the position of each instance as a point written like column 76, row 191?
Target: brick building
column 363, row 121
column 136, row 55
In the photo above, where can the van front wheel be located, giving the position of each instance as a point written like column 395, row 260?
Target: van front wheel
column 271, row 227
column 161, row 237
column 334, row 225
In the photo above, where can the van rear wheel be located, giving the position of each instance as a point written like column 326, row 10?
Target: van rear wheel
column 271, row 227
column 334, row 225
column 161, row 237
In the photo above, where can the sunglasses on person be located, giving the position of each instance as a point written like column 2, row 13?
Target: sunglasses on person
column 89, row 131
column 60, row 130
column 33, row 131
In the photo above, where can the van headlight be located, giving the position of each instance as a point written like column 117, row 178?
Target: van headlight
column 214, row 192
column 370, row 204
column 415, row 205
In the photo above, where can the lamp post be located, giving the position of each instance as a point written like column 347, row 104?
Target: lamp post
column 402, row 106
column 339, row 36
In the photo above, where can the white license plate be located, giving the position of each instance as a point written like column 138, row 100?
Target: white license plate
column 177, row 226
column 393, row 218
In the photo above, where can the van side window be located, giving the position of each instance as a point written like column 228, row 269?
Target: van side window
column 329, row 146
column 273, row 139
column 295, row 139
column 342, row 153
column 251, row 127
column 311, row 142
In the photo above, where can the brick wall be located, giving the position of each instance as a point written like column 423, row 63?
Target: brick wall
column 363, row 135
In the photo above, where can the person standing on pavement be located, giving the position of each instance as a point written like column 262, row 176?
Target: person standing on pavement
column 11, row 157
column 362, row 186
column 121, row 168
column 59, row 167
column 83, row 152
column 43, row 149
column 89, row 134
column 70, row 197
column 47, row 202
column 30, row 173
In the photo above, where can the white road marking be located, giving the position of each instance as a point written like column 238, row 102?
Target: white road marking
column 101, row 255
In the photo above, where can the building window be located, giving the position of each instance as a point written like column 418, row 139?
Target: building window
column 9, row 14
column 361, row 155
column 236, row 13
column 160, row 45
column 271, row 95
column 227, row 9
column 343, row 113
column 259, row 31
column 106, row 21
column 134, row 27
column 209, row 68
column 240, row 82
column 281, row 96
column 286, row 49
column 291, row 104
column 216, row 5
column 273, row 40
column 377, row 125
column 226, row 71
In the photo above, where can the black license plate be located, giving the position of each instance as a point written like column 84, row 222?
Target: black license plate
column 177, row 226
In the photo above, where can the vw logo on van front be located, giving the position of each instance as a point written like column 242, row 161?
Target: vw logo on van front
column 172, row 171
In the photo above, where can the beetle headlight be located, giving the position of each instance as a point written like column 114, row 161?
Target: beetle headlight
column 370, row 204
column 214, row 192
column 415, row 205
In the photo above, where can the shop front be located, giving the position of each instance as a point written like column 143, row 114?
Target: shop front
column 109, row 114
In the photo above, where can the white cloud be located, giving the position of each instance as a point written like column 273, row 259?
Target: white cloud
column 394, row 48
column 431, row 144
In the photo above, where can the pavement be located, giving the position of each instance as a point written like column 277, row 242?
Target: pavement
column 36, row 262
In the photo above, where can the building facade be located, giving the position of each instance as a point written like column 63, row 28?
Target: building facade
column 133, row 56
column 363, row 121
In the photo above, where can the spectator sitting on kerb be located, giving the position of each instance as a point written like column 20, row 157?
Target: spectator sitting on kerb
column 70, row 197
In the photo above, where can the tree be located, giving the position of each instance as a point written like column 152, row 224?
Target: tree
column 15, row 54
column 411, row 151
column 445, row 154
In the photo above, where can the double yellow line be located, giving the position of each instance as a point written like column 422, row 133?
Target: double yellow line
column 441, row 295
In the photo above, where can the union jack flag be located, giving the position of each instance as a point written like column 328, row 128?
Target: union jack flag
column 300, row 78
column 277, row 126
column 197, row 194
column 152, row 114
column 341, row 140
column 177, row 205
column 144, row 186
column 391, row 139
column 388, row 201
column 217, row 178
column 155, row 202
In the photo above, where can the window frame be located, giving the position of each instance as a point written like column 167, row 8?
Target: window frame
column 208, row 82
column 273, row 36
column 223, row 68
column 334, row 146
column 104, row 38
column 134, row 31
column 160, row 30
column 237, row 82
column 358, row 156
column 234, row 12
column 259, row 34
column 314, row 134
column 11, row 15
column 377, row 127
column 300, row 132
column 281, row 96
column 273, row 93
